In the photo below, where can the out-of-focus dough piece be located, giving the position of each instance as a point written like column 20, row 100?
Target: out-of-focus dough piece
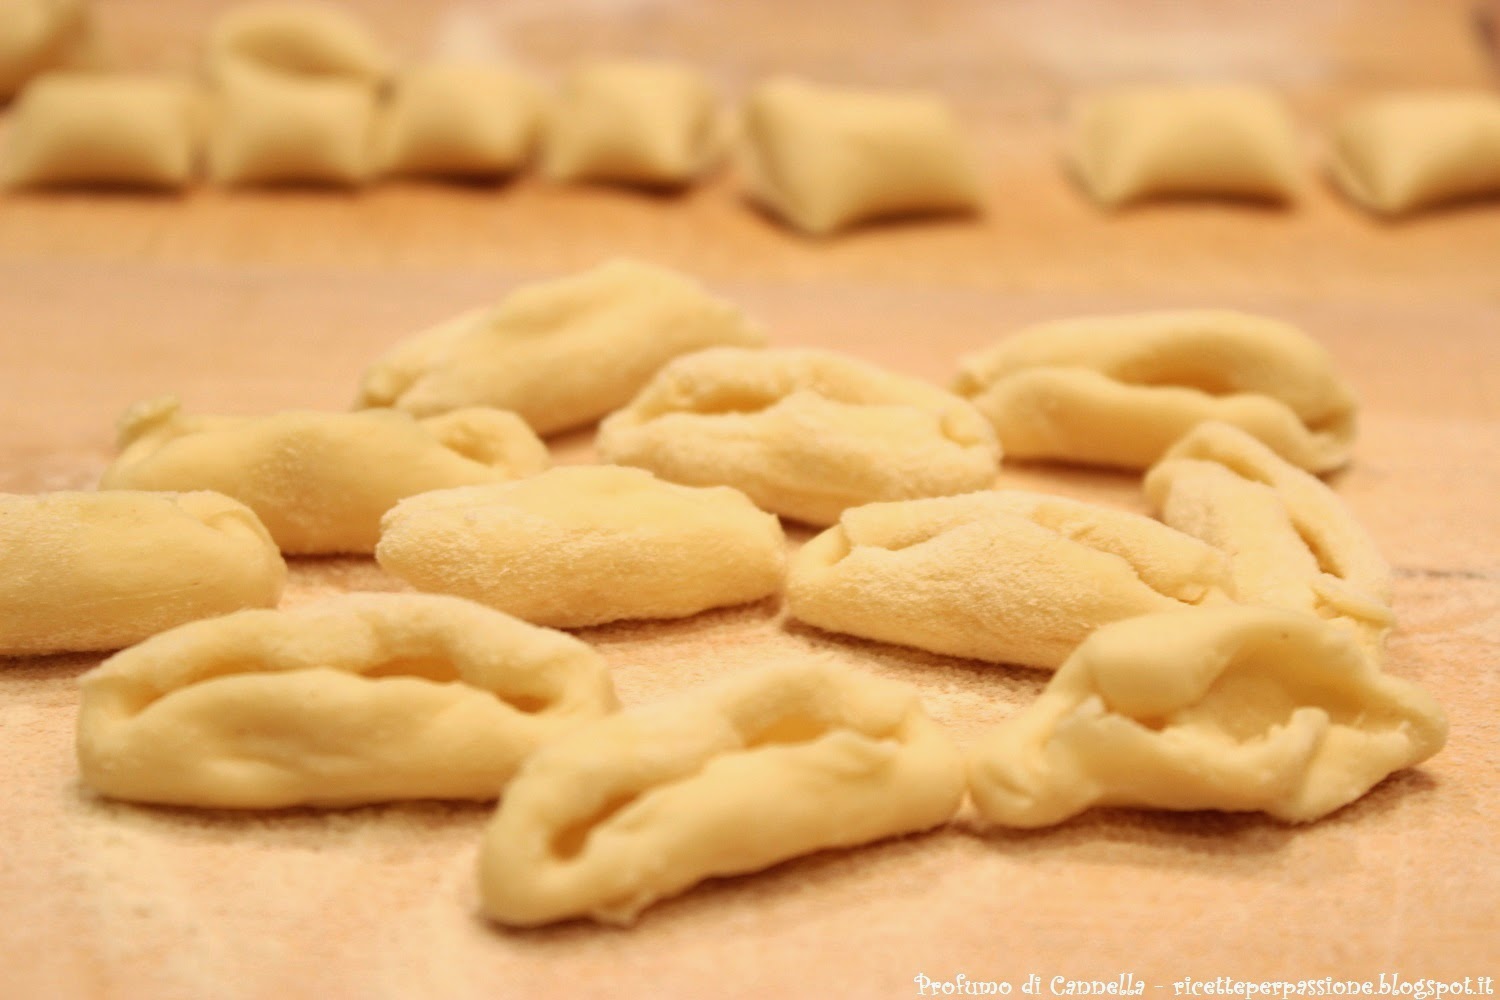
column 1139, row 143
column 38, row 36
column 320, row 481
column 804, row 433
column 88, row 128
column 826, row 158
column 458, row 120
column 93, row 571
column 1119, row 390
column 654, row 124
column 760, row 767
column 585, row 545
column 1239, row 709
column 297, row 39
column 281, row 129
column 1007, row 577
column 362, row 698
column 562, row 353
column 1291, row 542
column 1404, row 152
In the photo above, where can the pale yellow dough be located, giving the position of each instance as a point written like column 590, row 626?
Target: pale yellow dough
column 270, row 128
column 584, row 545
column 561, row 354
column 1291, row 542
column 1238, row 709
column 757, row 768
column 825, row 158
column 1137, row 143
column 320, row 481
column 298, row 39
column 1119, row 390
column 104, row 129
column 655, row 124
column 1007, row 577
column 93, row 571
column 459, row 120
column 37, row 36
column 362, row 698
column 1409, row 151
column 804, row 433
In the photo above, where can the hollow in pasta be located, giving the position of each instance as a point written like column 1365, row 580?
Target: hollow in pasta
column 362, row 698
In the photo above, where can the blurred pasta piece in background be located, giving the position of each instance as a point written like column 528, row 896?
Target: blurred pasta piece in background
column 296, row 39
column 296, row 87
column 653, row 124
column 458, row 120
column 128, row 130
column 1138, row 143
column 1404, row 152
column 825, row 158
column 40, row 35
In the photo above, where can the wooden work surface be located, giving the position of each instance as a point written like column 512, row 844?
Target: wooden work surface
column 244, row 302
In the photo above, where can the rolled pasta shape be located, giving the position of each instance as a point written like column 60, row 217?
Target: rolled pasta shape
column 319, row 481
column 458, row 120
column 271, row 128
column 1120, row 390
column 1005, row 576
column 1291, row 541
column 40, row 36
column 296, row 38
column 561, row 353
column 1236, row 708
column 84, row 571
column 826, row 158
column 804, row 433
column 734, row 777
column 90, row 129
column 1404, row 152
column 649, row 123
column 1138, row 143
column 583, row 545
column 361, row 698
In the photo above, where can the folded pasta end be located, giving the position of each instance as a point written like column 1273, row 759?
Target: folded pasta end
column 146, row 417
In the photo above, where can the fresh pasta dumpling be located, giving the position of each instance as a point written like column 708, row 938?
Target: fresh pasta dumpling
column 584, row 545
column 458, row 120
column 37, row 36
column 320, row 481
column 1136, row 143
column 98, row 129
column 805, row 434
column 560, row 353
column 298, row 38
column 1002, row 575
column 733, row 777
column 1232, row 708
column 1119, row 390
column 360, row 698
column 1291, row 541
column 91, row 571
column 1408, row 151
column 825, row 158
column 272, row 128
column 655, row 124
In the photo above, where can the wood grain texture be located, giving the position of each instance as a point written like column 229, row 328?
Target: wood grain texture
column 252, row 301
